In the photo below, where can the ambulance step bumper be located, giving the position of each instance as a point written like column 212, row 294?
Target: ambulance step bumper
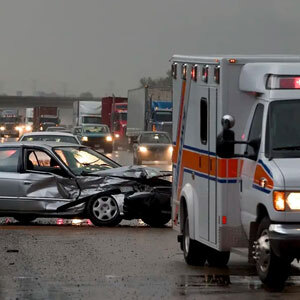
column 285, row 239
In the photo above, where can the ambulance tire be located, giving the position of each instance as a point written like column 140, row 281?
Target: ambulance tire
column 217, row 258
column 272, row 270
column 193, row 251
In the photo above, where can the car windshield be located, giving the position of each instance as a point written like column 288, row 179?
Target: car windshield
column 82, row 161
column 50, row 138
column 157, row 138
column 95, row 129
column 163, row 116
column 283, row 129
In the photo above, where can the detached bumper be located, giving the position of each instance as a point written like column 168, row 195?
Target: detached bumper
column 285, row 239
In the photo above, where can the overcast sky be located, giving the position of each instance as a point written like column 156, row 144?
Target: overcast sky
column 106, row 46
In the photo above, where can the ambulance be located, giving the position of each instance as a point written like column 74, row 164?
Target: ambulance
column 236, row 160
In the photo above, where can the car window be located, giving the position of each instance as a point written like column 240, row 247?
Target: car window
column 51, row 138
column 9, row 158
column 41, row 161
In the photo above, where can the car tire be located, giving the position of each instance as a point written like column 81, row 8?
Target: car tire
column 272, row 270
column 104, row 211
column 194, row 253
column 217, row 258
column 157, row 221
column 24, row 219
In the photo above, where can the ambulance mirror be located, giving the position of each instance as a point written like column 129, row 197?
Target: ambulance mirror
column 227, row 121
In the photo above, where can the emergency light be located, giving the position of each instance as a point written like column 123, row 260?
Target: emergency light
column 174, row 70
column 283, row 82
column 183, row 71
column 205, row 73
column 194, row 72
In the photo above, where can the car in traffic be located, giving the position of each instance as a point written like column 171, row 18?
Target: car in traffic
column 96, row 136
column 151, row 146
column 45, row 136
column 49, row 179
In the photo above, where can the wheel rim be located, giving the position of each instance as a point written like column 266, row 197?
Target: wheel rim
column 186, row 236
column 263, row 251
column 105, row 208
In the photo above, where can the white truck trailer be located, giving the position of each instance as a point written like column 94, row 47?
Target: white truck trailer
column 87, row 112
column 141, row 113
column 237, row 187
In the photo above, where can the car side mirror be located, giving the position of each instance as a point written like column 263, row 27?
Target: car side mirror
column 226, row 139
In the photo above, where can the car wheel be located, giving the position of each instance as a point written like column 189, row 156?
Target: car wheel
column 272, row 270
column 195, row 253
column 24, row 219
column 217, row 258
column 157, row 221
column 104, row 211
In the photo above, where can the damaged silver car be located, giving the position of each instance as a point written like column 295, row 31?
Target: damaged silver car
column 63, row 180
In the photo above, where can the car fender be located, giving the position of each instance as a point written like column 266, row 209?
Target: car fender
column 188, row 195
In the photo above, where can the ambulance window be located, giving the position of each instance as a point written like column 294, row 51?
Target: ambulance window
column 203, row 121
column 255, row 130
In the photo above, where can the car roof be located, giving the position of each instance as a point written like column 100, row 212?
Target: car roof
column 48, row 133
column 82, row 125
column 155, row 132
column 47, row 145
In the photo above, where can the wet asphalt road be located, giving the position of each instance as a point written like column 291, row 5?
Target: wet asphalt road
column 131, row 261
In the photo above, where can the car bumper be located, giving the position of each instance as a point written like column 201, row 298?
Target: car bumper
column 155, row 155
column 285, row 239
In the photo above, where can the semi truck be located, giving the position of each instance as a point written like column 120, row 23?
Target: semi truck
column 114, row 115
column 145, row 112
column 44, row 117
column 10, row 122
column 237, row 186
column 87, row 112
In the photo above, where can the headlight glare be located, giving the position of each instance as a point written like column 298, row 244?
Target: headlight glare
column 293, row 201
column 108, row 138
column 171, row 149
column 279, row 201
column 143, row 149
column 84, row 138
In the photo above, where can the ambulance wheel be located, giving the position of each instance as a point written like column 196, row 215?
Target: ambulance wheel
column 193, row 251
column 272, row 270
column 217, row 258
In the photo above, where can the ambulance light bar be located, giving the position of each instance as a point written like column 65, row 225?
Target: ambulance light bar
column 183, row 71
column 194, row 72
column 205, row 73
column 174, row 70
column 283, row 82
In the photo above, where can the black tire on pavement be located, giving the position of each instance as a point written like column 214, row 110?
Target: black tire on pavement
column 272, row 270
column 103, row 211
column 25, row 219
column 157, row 221
column 195, row 253
column 217, row 258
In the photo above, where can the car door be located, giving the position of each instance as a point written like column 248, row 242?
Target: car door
column 45, row 182
column 10, row 178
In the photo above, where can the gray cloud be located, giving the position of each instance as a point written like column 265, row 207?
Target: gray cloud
column 105, row 45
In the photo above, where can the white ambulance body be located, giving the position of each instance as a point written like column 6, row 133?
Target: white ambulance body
column 250, row 198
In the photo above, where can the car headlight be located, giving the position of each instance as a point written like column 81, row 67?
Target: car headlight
column 28, row 128
column 143, row 149
column 170, row 149
column 18, row 128
column 2, row 128
column 109, row 138
column 292, row 199
column 41, row 128
column 117, row 135
column 84, row 138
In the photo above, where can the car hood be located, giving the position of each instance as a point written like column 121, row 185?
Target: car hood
column 134, row 172
column 289, row 167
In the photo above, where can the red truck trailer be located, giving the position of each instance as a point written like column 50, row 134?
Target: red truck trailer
column 114, row 115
